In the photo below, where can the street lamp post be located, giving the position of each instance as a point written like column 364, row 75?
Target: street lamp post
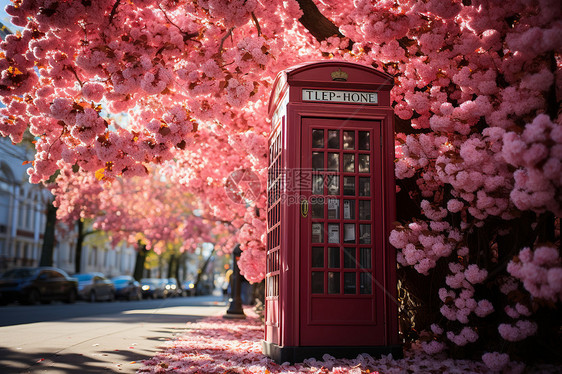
column 235, row 310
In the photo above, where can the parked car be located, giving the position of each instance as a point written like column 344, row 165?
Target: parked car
column 30, row 285
column 153, row 288
column 173, row 287
column 126, row 287
column 95, row 287
column 188, row 288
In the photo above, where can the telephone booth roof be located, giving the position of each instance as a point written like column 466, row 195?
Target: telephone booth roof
column 319, row 74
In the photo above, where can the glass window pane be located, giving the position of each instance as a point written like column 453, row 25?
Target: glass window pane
column 364, row 141
column 317, row 138
column 366, row 285
column 349, row 232
column 333, row 184
column 317, row 185
column 333, row 282
column 317, row 257
column 364, row 209
column 333, row 209
column 349, row 209
column 365, row 234
column 317, row 282
column 334, row 161
column 364, row 186
column 318, row 160
column 317, row 207
column 333, row 139
column 364, row 258
column 349, row 259
column 349, row 140
column 349, row 163
column 349, row 283
column 317, row 233
column 349, row 186
column 363, row 163
column 333, row 233
column 333, row 257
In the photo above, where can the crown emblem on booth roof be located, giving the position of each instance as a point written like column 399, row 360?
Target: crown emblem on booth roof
column 339, row 75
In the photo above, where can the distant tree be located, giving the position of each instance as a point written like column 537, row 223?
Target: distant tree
column 140, row 259
column 49, row 238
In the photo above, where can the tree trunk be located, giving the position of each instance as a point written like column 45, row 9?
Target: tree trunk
column 139, row 262
column 176, row 273
column 202, row 271
column 78, row 250
column 49, row 237
column 316, row 23
column 182, row 268
column 172, row 264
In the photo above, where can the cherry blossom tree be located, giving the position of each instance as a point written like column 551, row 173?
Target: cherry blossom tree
column 477, row 99
column 149, row 212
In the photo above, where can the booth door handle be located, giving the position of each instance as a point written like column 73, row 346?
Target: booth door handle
column 304, row 208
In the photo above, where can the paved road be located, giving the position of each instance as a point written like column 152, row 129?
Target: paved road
column 94, row 337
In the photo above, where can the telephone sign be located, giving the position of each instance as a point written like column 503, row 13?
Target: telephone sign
column 356, row 97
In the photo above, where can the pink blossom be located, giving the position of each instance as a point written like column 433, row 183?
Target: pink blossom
column 522, row 309
column 474, row 274
column 444, row 294
column 495, row 361
column 424, row 266
column 436, row 329
column 545, row 256
column 463, row 251
column 399, row 239
column 554, row 277
column 483, row 308
column 449, row 312
column 509, row 285
column 466, row 335
column 433, row 347
column 520, row 331
column 455, row 281
column 513, row 313
column 93, row 91
column 538, row 82
column 454, row 205
column 539, row 271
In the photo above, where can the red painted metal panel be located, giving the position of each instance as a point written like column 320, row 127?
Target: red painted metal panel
column 341, row 237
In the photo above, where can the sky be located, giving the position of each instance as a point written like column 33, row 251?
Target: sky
column 3, row 16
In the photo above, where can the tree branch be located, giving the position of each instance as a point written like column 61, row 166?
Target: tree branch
column 186, row 35
column 257, row 23
column 113, row 11
column 229, row 33
column 75, row 74
column 319, row 26
column 90, row 233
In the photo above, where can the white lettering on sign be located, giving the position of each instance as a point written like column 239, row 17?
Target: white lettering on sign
column 358, row 97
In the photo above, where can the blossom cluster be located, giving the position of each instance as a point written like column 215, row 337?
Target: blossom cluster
column 540, row 271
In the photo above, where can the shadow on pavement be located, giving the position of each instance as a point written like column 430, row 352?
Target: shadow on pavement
column 70, row 363
column 102, row 311
column 96, row 343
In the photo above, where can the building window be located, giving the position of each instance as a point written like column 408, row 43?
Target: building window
column 22, row 209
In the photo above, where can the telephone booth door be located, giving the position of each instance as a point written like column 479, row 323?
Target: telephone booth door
column 342, row 240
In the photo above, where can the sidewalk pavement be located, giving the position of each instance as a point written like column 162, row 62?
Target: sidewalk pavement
column 224, row 346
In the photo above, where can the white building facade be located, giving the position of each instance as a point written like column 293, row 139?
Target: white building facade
column 23, row 209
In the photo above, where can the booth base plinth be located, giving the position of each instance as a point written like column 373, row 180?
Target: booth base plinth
column 234, row 315
column 299, row 354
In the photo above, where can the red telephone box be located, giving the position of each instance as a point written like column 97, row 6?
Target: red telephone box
column 331, row 273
